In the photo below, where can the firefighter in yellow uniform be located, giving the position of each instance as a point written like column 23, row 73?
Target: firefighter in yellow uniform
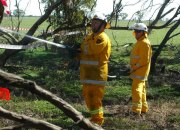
column 95, row 53
column 140, row 60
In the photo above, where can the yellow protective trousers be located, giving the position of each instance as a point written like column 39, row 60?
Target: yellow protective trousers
column 139, row 103
column 93, row 95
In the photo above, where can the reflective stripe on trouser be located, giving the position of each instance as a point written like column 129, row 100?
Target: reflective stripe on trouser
column 139, row 103
column 93, row 96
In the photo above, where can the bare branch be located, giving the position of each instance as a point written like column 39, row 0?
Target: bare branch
column 133, row 3
column 174, row 35
column 93, row 5
column 159, row 15
column 32, row 30
column 34, row 123
column 15, row 127
column 55, row 31
column 39, row 6
column 169, row 11
column 10, row 37
column 169, row 22
column 153, row 13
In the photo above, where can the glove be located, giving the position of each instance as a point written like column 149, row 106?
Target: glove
column 73, row 51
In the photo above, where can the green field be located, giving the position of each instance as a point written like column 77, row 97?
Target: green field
column 50, row 70
column 117, row 36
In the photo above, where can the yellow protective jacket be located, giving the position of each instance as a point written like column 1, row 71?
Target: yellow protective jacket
column 140, row 59
column 95, row 52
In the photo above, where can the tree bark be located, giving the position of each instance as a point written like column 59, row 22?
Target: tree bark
column 15, row 127
column 16, row 81
column 1, row 12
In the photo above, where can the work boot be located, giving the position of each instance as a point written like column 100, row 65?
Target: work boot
column 97, row 118
column 143, row 115
column 135, row 115
column 99, row 122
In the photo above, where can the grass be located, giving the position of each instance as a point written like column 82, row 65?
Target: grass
column 51, row 71
column 26, row 22
column 163, row 95
column 121, row 37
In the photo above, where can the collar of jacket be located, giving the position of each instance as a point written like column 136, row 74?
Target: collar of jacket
column 142, row 37
column 96, row 34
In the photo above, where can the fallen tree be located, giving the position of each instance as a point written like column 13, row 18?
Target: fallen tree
column 39, row 124
column 16, row 81
column 15, row 127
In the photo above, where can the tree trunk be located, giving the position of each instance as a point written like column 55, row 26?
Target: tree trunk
column 161, row 46
column 15, row 127
column 1, row 12
column 33, row 123
column 5, row 56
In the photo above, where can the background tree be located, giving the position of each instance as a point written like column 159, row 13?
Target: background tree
column 62, row 16
column 160, row 12
column 117, row 10
column 123, row 16
column 139, row 15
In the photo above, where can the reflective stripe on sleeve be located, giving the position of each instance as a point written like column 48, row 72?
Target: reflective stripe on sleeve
column 88, row 62
column 94, row 82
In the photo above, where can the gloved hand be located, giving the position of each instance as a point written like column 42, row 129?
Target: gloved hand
column 73, row 51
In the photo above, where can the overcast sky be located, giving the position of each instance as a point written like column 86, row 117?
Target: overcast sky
column 105, row 6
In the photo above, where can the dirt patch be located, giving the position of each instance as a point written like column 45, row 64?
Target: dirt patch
column 160, row 116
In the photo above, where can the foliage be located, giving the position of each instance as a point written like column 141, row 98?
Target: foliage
column 139, row 15
column 123, row 16
column 69, row 13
